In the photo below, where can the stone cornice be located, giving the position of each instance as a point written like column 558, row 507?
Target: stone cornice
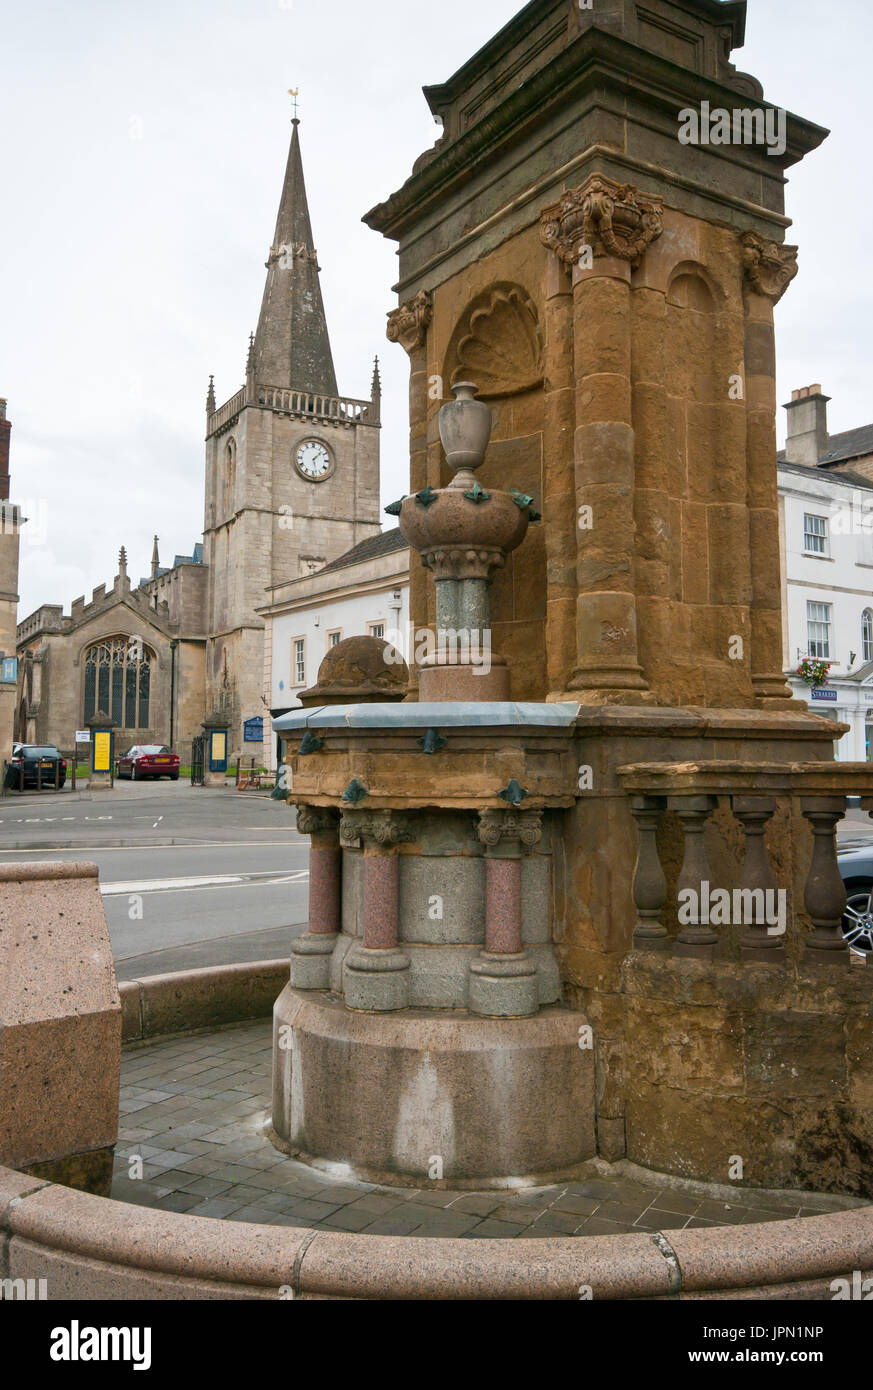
column 596, row 60
column 524, row 26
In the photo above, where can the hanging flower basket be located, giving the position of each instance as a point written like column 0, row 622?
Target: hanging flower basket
column 814, row 671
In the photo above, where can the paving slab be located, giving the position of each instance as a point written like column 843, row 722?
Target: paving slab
column 199, row 1107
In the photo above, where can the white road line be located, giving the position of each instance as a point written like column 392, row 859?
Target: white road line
column 135, row 847
column 177, row 885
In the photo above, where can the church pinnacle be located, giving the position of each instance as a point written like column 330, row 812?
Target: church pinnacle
column 292, row 346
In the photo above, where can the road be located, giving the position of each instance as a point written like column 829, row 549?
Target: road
column 190, row 877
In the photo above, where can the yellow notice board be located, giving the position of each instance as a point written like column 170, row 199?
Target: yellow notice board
column 219, row 747
column 102, row 752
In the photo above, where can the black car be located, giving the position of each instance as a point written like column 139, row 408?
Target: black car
column 855, row 859
column 36, row 765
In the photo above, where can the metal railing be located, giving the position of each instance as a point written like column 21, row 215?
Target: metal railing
column 13, row 778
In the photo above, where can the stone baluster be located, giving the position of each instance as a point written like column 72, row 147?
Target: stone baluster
column 697, row 937
column 311, row 953
column 503, row 978
column 650, row 885
column 376, row 971
column 762, row 940
column 825, row 894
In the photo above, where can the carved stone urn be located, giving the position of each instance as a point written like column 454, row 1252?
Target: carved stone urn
column 465, row 429
column 463, row 534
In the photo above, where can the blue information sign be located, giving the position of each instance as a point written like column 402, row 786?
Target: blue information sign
column 819, row 693
column 253, row 730
column 9, row 670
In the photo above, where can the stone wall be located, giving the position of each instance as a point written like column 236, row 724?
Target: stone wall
column 700, row 1063
column 55, row 688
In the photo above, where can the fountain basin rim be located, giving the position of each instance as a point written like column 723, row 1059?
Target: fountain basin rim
column 447, row 714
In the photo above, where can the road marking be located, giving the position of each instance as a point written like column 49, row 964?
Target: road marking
column 177, row 885
column 136, row 845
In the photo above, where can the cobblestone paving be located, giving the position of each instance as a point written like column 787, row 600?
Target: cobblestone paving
column 193, row 1110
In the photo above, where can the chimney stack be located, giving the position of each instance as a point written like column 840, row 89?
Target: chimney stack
column 5, row 432
column 808, row 439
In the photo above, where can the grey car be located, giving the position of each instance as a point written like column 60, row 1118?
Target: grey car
column 855, row 858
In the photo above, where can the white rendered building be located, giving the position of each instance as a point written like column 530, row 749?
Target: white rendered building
column 365, row 591
column 826, row 537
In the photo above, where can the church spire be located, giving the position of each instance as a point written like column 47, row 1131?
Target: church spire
column 292, row 345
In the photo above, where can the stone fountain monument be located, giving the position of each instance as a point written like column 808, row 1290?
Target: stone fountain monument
column 422, row 1030
column 502, row 975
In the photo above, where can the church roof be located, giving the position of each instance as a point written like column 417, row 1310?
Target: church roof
column 292, row 345
column 370, row 549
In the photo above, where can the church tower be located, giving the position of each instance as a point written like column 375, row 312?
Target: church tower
column 292, row 467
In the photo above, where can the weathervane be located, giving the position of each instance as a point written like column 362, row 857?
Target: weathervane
column 294, row 92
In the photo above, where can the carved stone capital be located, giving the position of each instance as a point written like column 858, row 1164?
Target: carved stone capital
column 408, row 325
column 380, row 827
column 463, row 562
column 612, row 219
column 768, row 266
column 519, row 829
column 315, row 820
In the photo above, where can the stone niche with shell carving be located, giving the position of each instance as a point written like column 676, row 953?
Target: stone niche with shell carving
column 497, row 343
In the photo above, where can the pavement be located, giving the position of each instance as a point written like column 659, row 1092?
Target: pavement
column 190, row 877
column 193, row 1110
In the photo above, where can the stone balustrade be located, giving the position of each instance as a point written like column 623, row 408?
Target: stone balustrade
column 227, row 413
column 726, row 879
column 342, row 409
column 339, row 410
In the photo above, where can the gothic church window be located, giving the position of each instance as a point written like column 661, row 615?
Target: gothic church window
column 867, row 634
column 118, row 681
column 229, row 482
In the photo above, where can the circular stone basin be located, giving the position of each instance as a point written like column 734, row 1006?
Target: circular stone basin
column 453, row 520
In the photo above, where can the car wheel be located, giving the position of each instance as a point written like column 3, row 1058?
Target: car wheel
column 858, row 918
column 174, row 776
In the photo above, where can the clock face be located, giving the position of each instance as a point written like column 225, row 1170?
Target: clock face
column 313, row 460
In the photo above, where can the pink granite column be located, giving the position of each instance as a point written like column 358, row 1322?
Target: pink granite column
column 376, row 969
column 503, row 979
column 503, row 907
column 381, row 923
column 311, row 953
column 325, row 862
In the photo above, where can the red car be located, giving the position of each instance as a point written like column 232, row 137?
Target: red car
column 148, row 760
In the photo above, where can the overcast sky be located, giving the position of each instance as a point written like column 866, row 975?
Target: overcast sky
column 143, row 147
